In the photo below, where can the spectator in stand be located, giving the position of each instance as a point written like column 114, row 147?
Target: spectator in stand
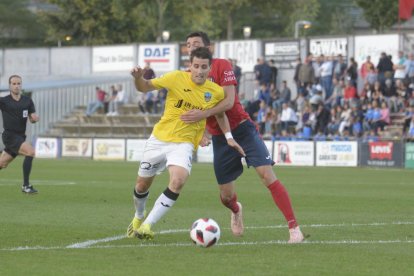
column 390, row 95
column 300, row 102
column 316, row 64
column 339, row 68
column 365, row 68
column 274, row 70
column 368, row 117
column 322, row 119
column 335, row 119
column 408, row 114
column 261, row 116
column 350, row 93
column 114, row 101
column 384, row 118
column 326, row 70
column 263, row 72
column 337, row 94
column 288, row 118
column 162, row 96
column 409, row 68
column 237, row 73
column 264, row 94
column 345, row 119
column 284, row 96
column 385, row 68
column 399, row 67
column 352, row 72
column 377, row 93
column 296, row 75
column 356, row 129
column 316, row 98
column 372, row 76
column 97, row 103
column 306, row 75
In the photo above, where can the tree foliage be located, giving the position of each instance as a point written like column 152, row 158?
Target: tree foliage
column 100, row 22
column 381, row 14
column 18, row 23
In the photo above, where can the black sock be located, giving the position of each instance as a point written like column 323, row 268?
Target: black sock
column 27, row 168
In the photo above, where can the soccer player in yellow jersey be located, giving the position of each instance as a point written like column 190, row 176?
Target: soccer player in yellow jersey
column 172, row 142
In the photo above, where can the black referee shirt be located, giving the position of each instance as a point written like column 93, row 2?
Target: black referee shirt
column 15, row 113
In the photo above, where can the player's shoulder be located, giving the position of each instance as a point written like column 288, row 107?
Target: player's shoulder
column 220, row 62
column 212, row 85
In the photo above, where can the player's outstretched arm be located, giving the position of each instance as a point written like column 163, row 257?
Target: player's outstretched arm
column 227, row 103
column 224, row 124
column 141, row 84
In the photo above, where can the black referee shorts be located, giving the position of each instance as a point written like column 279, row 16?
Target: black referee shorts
column 12, row 142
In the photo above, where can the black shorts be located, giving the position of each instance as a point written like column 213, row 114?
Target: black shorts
column 228, row 162
column 12, row 142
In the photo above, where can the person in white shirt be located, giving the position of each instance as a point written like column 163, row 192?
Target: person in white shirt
column 288, row 117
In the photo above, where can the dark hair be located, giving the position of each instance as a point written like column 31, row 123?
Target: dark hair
column 203, row 36
column 203, row 53
column 14, row 76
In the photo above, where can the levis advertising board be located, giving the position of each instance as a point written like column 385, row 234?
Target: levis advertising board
column 382, row 154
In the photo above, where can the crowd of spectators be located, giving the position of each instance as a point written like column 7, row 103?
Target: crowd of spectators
column 329, row 106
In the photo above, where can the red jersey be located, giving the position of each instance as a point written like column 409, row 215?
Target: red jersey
column 222, row 73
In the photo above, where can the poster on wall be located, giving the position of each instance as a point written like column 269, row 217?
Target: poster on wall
column 284, row 53
column 409, row 155
column 294, row 153
column 337, row 154
column 73, row 147
column 135, row 149
column 382, row 154
column 329, row 46
column 109, row 149
column 112, row 58
column 374, row 45
column 162, row 57
column 47, row 147
column 246, row 52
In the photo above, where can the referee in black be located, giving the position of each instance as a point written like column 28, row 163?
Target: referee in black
column 16, row 109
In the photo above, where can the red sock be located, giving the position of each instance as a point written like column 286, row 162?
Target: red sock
column 231, row 204
column 282, row 200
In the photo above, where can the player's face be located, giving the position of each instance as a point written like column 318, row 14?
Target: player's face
column 15, row 85
column 199, row 69
column 194, row 43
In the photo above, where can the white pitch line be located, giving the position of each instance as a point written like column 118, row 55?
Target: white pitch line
column 271, row 242
column 90, row 243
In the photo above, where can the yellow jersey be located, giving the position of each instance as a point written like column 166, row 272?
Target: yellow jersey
column 183, row 95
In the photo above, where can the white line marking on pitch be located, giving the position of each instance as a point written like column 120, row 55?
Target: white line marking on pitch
column 219, row 244
column 90, row 243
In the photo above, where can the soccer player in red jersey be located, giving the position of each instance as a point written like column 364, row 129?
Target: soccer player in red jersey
column 227, row 162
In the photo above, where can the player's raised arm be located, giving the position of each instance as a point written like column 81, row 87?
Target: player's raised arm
column 141, row 84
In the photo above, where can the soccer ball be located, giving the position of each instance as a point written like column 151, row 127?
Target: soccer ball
column 205, row 232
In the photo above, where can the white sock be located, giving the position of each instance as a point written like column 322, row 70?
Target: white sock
column 161, row 207
column 140, row 203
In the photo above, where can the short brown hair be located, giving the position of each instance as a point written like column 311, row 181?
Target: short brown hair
column 14, row 76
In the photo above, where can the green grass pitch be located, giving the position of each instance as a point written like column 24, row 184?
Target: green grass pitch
column 360, row 222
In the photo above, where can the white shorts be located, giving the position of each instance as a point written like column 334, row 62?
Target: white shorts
column 158, row 155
